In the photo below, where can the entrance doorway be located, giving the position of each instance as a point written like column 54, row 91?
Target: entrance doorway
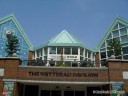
column 68, row 93
column 90, row 91
column 50, row 93
column 74, row 93
column 31, row 90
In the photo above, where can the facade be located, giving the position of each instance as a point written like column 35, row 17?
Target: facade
column 63, row 46
column 9, row 25
column 63, row 66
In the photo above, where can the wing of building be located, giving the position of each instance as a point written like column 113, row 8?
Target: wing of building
column 9, row 25
column 63, row 46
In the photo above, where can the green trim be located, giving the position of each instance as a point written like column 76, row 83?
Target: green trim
column 13, row 18
column 116, row 20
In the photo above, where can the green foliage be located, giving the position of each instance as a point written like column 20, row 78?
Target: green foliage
column 114, row 47
column 12, row 45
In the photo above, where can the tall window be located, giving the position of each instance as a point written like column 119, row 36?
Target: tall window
column 67, row 50
column 52, row 50
column 45, row 51
column 59, row 50
column 81, row 51
column 37, row 53
column 89, row 54
column 75, row 51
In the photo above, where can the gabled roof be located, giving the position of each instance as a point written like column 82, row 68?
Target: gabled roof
column 13, row 18
column 63, row 39
column 115, row 22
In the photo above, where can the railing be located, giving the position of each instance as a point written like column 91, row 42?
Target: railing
column 60, row 63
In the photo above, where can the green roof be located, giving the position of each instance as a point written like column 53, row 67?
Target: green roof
column 63, row 39
column 115, row 22
column 12, row 17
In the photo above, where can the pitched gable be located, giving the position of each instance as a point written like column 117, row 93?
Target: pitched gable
column 10, row 24
column 113, row 30
column 63, row 37
column 13, row 23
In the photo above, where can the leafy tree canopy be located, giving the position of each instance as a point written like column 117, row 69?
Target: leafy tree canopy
column 114, row 47
column 12, row 45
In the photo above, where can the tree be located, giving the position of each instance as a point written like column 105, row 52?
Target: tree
column 12, row 45
column 114, row 47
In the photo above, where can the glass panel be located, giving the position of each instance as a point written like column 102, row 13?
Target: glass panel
column 86, row 53
column 52, row 50
column 116, row 27
column 115, row 33
column 45, row 51
column 108, row 41
column 103, row 49
column 123, row 31
column 110, row 36
column 89, row 54
column 67, row 50
column 121, row 25
column 108, row 54
column 118, row 39
column 125, row 57
column 124, row 39
column 125, row 44
column 59, row 50
column 81, row 51
column 103, row 55
column 103, row 45
column 125, row 50
column 37, row 53
column 75, row 50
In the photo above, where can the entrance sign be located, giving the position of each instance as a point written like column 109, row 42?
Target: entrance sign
column 62, row 74
column 8, row 88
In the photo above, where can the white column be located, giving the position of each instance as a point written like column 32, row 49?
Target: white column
column 35, row 54
column 48, row 56
column 79, row 53
column 42, row 53
column 84, row 54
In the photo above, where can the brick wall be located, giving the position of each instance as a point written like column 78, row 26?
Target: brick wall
column 12, row 70
column 30, row 55
column 97, row 60
column 63, row 74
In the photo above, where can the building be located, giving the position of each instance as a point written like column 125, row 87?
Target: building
column 118, row 30
column 64, row 46
column 63, row 66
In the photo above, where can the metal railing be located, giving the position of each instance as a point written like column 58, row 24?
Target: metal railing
column 72, row 64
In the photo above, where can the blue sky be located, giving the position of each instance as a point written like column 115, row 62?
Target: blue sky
column 87, row 20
